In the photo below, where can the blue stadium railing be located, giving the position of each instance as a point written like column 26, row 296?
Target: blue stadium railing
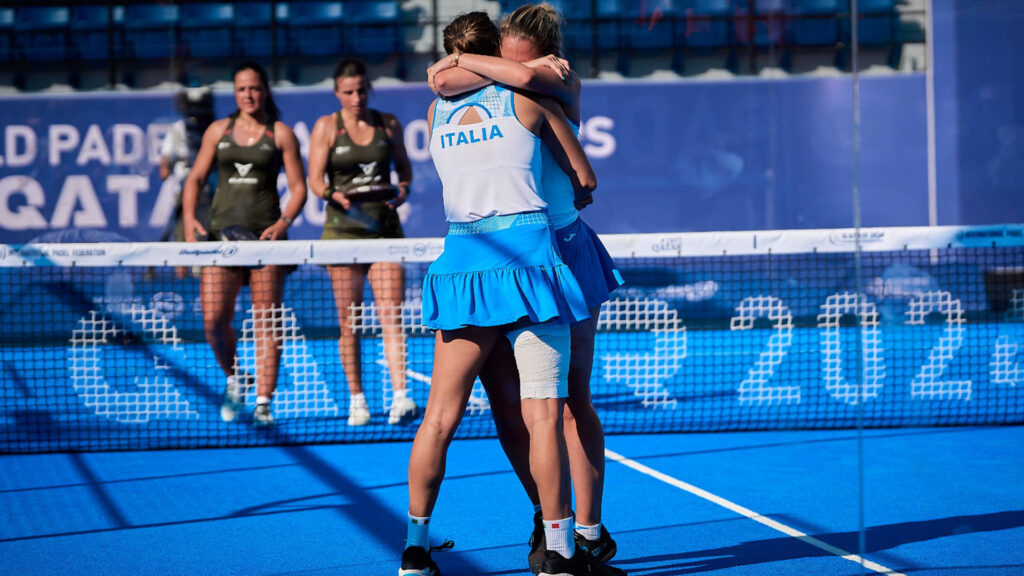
column 125, row 35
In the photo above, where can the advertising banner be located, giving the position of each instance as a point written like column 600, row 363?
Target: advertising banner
column 670, row 157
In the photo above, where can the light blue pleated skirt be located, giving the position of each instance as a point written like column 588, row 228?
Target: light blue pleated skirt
column 497, row 271
column 589, row 261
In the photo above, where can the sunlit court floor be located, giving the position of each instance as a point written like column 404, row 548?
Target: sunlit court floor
column 932, row 501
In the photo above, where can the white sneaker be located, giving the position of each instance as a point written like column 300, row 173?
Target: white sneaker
column 262, row 416
column 402, row 408
column 234, row 397
column 358, row 414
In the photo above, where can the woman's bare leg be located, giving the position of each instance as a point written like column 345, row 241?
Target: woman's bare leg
column 347, row 283
column 458, row 356
column 267, row 287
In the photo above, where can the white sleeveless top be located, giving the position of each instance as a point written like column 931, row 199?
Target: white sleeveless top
column 490, row 168
column 557, row 190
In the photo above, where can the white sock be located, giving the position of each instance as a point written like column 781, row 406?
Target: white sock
column 418, row 533
column 262, row 400
column 357, row 399
column 558, row 534
column 589, row 532
column 401, row 393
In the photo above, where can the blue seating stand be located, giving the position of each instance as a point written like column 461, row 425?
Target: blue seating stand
column 42, row 32
column 816, row 22
column 96, row 32
column 761, row 25
column 206, row 30
column 374, row 26
column 877, row 22
column 6, row 34
column 150, row 31
column 316, row 29
column 259, row 29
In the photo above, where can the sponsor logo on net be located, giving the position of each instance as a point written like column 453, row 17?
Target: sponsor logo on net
column 4, row 252
column 842, row 237
column 665, row 244
column 418, row 249
column 39, row 252
column 225, row 251
column 983, row 236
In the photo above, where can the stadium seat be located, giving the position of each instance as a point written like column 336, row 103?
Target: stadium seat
column 91, row 30
column 315, row 29
column 256, row 24
column 570, row 9
column 42, row 32
column 150, row 31
column 6, row 34
column 876, row 22
column 206, row 29
column 706, row 24
column 374, row 27
column 767, row 27
column 578, row 34
column 816, row 22
column 647, row 25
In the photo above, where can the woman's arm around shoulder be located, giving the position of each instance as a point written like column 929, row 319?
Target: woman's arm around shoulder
column 447, row 80
column 561, row 139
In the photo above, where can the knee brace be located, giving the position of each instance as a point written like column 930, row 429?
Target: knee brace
column 542, row 357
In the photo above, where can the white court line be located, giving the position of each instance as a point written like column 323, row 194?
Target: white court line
column 413, row 375
column 775, row 525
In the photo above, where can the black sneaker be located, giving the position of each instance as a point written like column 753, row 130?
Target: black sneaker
column 555, row 564
column 417, row 562
column 538, row 543
column 598, row 551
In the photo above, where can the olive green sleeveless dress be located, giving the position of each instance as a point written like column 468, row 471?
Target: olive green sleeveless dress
column 350, row 165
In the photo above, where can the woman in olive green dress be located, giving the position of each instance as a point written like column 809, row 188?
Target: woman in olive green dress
column 357, row 146
column 249, row 147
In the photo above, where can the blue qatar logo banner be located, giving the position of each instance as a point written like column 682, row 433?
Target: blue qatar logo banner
column 670, row 157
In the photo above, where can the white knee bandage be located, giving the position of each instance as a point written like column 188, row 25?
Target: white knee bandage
column 542, row 356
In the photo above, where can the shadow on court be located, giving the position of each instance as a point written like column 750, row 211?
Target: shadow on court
column 878, row 539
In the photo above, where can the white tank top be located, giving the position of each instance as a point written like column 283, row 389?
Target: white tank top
column 490, row 168
column 557, row 190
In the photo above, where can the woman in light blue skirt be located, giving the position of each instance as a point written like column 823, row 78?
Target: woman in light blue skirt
column 530, row 60
column 499, row 276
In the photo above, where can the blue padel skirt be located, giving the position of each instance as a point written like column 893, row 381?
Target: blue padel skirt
column 499, row 270
column 584, row 254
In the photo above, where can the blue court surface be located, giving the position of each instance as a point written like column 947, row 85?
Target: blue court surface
column 935, row 501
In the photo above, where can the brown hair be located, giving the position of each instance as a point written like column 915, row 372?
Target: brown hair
column 272, row 111
column 541, row 24
column 473, row 32
column 351, row 68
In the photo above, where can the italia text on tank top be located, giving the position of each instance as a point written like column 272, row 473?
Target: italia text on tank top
column 558, row 191
column 489, row 168
column 247, row 183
